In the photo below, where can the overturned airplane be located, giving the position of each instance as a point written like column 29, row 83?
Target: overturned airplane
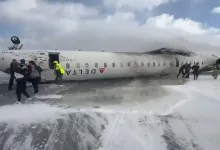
column 87, row 65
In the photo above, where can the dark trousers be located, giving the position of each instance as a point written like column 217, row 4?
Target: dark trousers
column 21, row 89
column 183, row 74
column 59, row 77
column 196, row 74
column 11, row 80
column 35, row 83
column 187, row 74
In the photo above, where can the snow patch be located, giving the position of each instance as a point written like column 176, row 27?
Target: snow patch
column 30, row 113
column 49, row 96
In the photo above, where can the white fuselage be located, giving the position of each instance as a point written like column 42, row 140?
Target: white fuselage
column 86, row 65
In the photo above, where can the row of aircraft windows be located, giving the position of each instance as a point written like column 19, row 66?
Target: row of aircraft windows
column 122, row 65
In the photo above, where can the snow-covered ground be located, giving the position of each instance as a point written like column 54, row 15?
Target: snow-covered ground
column 185, row 119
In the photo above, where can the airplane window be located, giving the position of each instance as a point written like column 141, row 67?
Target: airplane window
column 105, row 65
column 129, row 64
column 77, row 65
column 96, row 65
column 86, row 65
column 164, row 64
column 121, row 64
column 153, row 63
column 148, row 64
column 67, row 65
column 113, row 64
column 142, row 64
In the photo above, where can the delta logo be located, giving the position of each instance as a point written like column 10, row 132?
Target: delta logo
column 101, row 70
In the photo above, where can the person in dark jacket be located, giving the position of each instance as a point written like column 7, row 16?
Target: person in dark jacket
column 13, row 64
column 35, row 75
column 187, row 70
column 181, row 70
column 196, row 70
column 21, row 76
column 22, row 62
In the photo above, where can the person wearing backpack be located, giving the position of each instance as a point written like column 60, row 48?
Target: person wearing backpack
column 21, row 76
column 35, row 75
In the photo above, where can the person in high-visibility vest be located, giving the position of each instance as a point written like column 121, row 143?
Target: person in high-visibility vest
column 58, row 71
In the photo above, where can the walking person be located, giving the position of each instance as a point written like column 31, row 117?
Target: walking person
column 58, row 71
column 196, row 70
column 181, row 70
column 21, row 76
column 13, row 65
column 35, row 75
column 187, row 70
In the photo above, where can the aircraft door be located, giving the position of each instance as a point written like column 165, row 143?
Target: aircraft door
column 177, row 62
column 53, row 57
column 173, row 65
column 134, row 67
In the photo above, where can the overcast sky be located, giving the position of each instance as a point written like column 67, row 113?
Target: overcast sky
column 112, row 25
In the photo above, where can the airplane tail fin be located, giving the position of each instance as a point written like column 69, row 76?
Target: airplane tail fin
column 20, row 46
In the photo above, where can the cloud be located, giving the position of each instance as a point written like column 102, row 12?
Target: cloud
column 68, row 25
column 137, row 4
column 216, row 10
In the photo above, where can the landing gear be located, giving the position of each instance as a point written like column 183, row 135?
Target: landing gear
column 215, row 74
column 215, row 77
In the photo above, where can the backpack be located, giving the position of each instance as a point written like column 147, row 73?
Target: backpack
column 34, row 74
column 18, row 75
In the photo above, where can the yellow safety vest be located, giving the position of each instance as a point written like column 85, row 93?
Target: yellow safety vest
column 59, row 67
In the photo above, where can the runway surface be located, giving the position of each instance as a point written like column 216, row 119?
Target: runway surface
column 142, row 114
